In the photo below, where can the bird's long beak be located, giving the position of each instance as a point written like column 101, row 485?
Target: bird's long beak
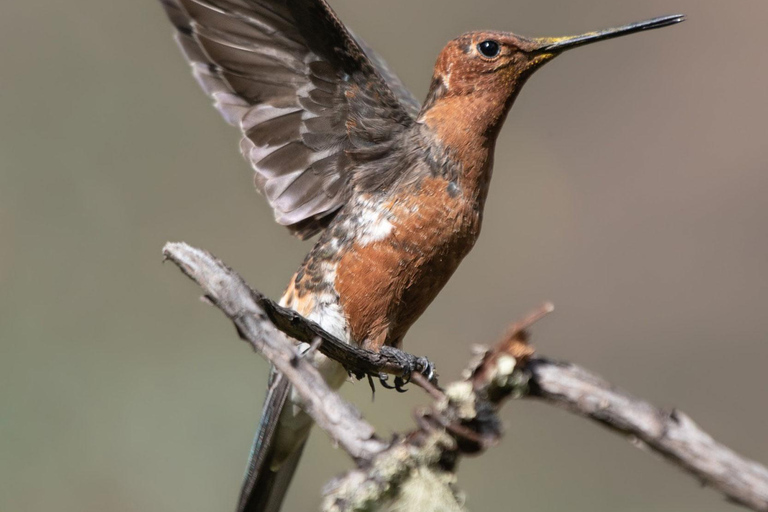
column 555, row 45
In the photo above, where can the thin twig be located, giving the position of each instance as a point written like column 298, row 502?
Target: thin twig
column 430, row 388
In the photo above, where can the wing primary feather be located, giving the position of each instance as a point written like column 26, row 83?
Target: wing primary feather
column 314, row 102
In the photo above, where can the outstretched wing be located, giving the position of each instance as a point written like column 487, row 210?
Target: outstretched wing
column 310, row 98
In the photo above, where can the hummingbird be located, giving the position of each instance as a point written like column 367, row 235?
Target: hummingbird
column 340, row 148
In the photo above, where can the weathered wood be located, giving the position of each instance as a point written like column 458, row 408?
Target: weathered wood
column 462, row 419
column 670, row 433
column 229, row 292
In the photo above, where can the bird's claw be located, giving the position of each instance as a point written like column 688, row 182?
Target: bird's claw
column 383, row 378
column 399, row 383
column 426, row 368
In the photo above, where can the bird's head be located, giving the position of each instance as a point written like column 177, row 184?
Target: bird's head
column 479, row 74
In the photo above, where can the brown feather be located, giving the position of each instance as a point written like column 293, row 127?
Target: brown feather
column 385, row 285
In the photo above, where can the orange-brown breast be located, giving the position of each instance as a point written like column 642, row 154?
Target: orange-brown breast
column 385, row 284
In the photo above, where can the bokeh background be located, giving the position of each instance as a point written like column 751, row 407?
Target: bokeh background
column 631, row 189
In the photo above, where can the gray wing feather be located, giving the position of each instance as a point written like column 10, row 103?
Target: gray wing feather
column 398, row 88
column 310, row 99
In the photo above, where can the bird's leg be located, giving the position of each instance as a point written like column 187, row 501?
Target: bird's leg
column 409, row 364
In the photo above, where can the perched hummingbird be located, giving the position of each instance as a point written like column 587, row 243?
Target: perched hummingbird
column 340, row 148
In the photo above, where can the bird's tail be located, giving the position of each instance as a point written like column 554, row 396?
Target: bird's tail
column 265, row 485
column 284, row 426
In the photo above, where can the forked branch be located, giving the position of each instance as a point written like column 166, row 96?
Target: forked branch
column 463, row 419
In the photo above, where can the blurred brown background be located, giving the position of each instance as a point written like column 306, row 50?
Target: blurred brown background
column 630, row 189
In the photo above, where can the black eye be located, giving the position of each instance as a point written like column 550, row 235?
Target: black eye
column 489, row 48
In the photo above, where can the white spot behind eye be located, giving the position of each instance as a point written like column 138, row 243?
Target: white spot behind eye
column 447, row 76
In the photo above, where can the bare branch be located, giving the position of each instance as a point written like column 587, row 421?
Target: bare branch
column 356, row 359
column 672, row 434
column 463, row 419
column 227, row 290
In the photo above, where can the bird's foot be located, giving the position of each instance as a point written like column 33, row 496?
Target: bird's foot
column 410, row 364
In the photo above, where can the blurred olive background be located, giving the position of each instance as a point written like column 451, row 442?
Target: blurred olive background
column 631, row 189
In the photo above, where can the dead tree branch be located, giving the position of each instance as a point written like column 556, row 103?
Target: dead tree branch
column 357, row 360
column 463, row 418
column 670, row 433
column 229, row 292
